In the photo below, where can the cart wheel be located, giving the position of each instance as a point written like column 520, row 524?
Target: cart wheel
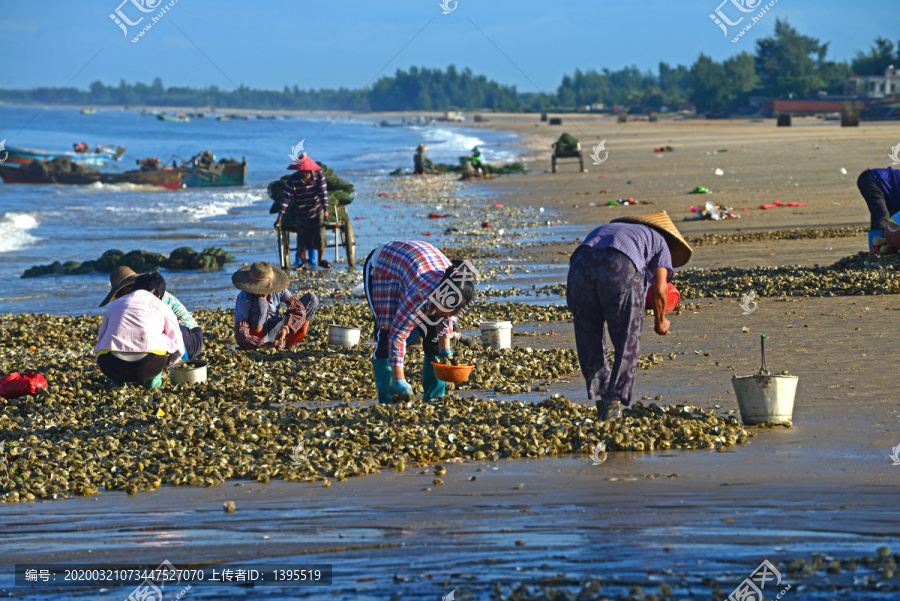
column 349, row 242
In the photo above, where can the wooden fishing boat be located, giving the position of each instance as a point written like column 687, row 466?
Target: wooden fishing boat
column 47, row 173
column 203, row 171
column 168, row 178
column 88, row 111
column 32, row 173
column 100, row 156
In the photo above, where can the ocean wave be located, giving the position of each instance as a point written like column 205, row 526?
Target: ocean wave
column 439, row 137
column 445, row 145
column 14, row 231
column 200, row 206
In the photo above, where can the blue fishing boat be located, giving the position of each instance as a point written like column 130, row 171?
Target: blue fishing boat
column 100, row 155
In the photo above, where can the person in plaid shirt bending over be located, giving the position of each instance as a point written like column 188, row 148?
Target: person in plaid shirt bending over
column 413, row 289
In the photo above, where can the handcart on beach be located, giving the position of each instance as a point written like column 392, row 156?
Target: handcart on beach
column 338, row 224
column 567, row 147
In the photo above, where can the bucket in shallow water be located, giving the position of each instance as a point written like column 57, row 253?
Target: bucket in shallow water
column 496, row 334
column 765, row 398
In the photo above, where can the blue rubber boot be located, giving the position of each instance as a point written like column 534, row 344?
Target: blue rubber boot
column 155, row 382
column 112, row 384
column 384, row 380
column 313, row 256
column 433, row 387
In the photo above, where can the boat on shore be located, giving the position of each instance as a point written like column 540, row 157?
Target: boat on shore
column 63, row 172
column 203, row 171
column 100, row 156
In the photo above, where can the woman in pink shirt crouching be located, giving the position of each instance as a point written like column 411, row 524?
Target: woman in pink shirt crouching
column 139, row 336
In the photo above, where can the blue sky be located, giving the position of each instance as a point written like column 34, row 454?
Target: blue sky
column 272, row 43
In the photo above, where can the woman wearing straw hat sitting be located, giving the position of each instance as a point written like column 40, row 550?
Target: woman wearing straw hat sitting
column 257, row 321
column 607, row 288
column 139, row 336
column 422, row 164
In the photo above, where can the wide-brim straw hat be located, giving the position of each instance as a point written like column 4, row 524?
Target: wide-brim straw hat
column 260, row 278
column 118, row 279
column 304, row 163
column 680, row 250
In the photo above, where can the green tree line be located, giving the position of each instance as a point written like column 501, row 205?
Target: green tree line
column 786, row 64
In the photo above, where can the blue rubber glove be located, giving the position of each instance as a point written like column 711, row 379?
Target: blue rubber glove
column 446, row 353
column 402, row 388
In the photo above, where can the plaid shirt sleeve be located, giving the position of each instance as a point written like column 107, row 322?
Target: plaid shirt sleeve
column 242, row 334
column 404, row 323
column 447, row 331
column 295, row 309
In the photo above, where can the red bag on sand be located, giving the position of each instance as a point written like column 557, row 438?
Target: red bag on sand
column 16, row 384
column 672, row 297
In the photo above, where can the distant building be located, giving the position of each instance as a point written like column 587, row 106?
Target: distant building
column 874, row 86
column 772, row 107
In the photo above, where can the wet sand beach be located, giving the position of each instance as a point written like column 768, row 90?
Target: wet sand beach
column 698, row 521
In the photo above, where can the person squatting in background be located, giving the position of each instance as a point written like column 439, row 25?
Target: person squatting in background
column 881, row 190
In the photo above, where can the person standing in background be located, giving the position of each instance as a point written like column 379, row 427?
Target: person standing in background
column 306, row 195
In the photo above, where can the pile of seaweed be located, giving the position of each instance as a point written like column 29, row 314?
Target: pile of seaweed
column 139, row 260
column 566, row 143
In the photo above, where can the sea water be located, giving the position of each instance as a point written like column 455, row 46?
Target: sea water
column 40, row 224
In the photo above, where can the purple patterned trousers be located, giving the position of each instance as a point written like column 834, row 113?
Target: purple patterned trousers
column 606, row 292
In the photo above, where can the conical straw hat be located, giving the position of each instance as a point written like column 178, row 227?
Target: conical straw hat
column 260, row 278
column 680, row 250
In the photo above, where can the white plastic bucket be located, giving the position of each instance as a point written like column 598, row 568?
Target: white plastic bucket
column 343, row 336
column 765, row 398
column 496, row 334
